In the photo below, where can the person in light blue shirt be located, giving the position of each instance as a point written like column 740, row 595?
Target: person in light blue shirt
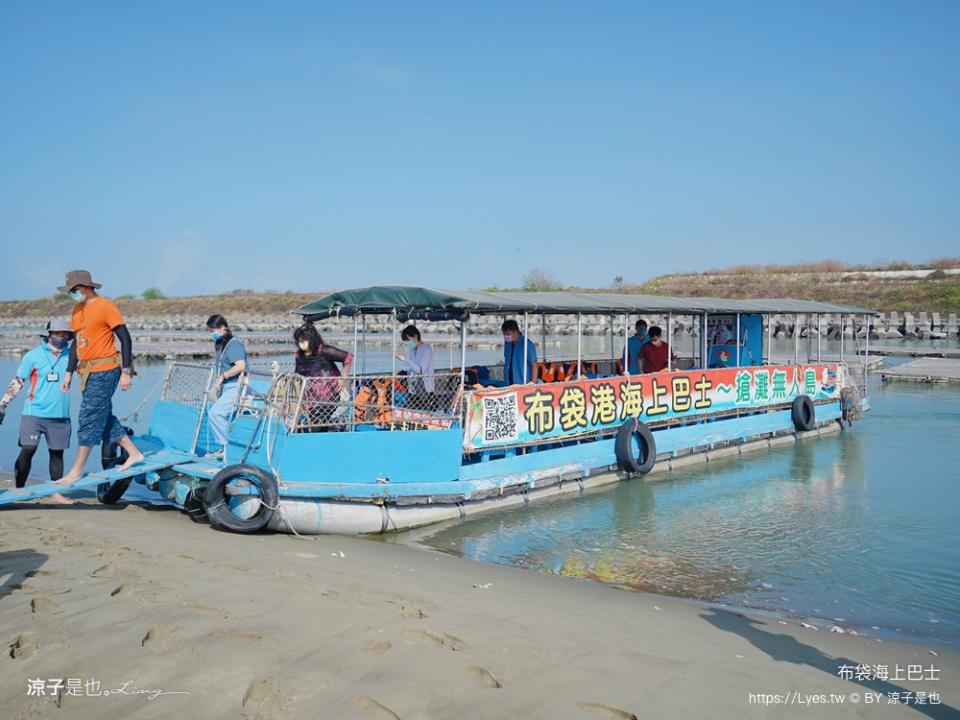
column 635, row 344
column 514, row 372
column 229, row 363
column 418, row 359
column 46, row 411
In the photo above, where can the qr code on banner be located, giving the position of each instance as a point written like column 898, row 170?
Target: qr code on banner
column 500, row 418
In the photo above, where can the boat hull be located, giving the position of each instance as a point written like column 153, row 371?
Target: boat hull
column 313, row 516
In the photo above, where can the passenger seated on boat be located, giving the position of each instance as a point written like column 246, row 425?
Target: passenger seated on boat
column 317, row 361
column 514, row 372
column 418, row 360
column 653, row 355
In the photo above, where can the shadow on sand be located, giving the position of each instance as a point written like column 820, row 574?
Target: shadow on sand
column 16, row 566
column 786, row 648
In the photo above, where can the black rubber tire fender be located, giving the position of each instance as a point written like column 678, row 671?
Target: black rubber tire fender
column 216, row 500
column 803, row 413
column 110, row 456
column 624, row 447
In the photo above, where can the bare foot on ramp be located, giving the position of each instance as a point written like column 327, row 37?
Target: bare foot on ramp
column 134, row 458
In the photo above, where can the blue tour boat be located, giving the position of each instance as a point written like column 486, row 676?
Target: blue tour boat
column 387, row 451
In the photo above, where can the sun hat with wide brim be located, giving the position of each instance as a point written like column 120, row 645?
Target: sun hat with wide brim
column 78, row 277
column 57, row 325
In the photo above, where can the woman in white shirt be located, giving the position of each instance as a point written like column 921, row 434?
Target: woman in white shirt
column 418, row 361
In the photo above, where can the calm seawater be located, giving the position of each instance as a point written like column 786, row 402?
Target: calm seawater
column 858, row 529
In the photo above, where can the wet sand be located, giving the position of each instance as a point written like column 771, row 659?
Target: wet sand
column 274, row 626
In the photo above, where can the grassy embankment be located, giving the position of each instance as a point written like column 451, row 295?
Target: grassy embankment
column 828, row 281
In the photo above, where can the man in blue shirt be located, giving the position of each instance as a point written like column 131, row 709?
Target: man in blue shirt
column 46, row 411
column 635, row 344
column 514, row 372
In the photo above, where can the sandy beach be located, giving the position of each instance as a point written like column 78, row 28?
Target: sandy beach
column 131, row 601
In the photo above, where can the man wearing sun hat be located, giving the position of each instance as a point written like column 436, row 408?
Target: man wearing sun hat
column 98, row 326
column 46, row 411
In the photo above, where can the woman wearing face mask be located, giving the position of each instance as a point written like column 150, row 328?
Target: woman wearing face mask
column 318, row 361
column 46, row 411
column 417, row 358
column 229, row 362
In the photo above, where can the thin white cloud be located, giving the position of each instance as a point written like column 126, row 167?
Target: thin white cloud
column 382, row 73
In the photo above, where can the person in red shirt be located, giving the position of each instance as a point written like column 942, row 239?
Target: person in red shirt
column 653, row 355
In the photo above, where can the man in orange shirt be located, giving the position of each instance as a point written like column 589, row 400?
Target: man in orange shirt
column 96, row 321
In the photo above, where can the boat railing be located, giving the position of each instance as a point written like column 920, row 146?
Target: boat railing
column 187, row 383
column 379, row 402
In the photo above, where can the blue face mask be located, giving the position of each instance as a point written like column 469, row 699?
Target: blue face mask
column 410, row 344
column 642, row 332
column 216, row 335
column 77, row 295
column 57, row 343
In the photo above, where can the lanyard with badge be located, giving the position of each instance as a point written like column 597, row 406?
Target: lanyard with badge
column 53, row 374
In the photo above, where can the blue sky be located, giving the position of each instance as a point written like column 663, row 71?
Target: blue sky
column 202, row 147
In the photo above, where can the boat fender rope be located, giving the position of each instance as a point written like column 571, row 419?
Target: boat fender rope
column 384, row 519
column 461, row 510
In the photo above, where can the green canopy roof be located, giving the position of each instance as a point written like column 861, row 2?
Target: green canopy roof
column 381, row 299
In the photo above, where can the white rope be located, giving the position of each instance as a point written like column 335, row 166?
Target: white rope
column 136, row 411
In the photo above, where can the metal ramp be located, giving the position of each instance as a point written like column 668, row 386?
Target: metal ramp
column 152, row 462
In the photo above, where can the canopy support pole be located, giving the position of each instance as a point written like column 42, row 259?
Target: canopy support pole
column 769, row 340
column 526, row 365
column 626, row 338
column 363, row 358
column 737, row 341
column 866, row 353
column 841, row 336
column 543, row 336
column 463, row 351
column 579, row 343
column 704, row 360
column 670, row 341
column 613, row 350
column 819, row 344
column 796, row 338
column 356, row 332
column 693, row 339
column 353, row 385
